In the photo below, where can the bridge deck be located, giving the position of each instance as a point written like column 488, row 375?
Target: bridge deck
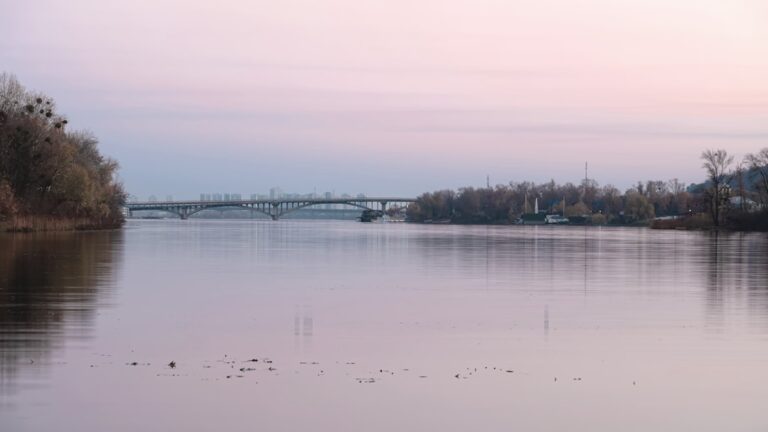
column 272, row 201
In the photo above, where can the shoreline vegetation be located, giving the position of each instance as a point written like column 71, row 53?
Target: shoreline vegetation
column 51, row 179
column 733, row 197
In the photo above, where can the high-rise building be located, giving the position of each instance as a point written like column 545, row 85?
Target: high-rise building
column 275, row 193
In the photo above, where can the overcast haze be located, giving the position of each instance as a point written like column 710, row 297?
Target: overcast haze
column 397, row 97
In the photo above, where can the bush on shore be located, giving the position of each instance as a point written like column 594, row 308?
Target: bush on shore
column 748, row 221
column 696, row 221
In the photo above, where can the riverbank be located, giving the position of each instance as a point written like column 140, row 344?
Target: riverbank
column 37, row 223
column 741, row 221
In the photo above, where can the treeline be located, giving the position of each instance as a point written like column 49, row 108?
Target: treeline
column 589, row 201
column 702, row 205
column 735, row 194
column 51, row 178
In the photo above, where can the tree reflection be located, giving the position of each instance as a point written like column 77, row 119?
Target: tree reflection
column 50, row 288
column 736, row 277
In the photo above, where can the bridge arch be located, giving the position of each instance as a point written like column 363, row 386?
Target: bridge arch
column 310, row 204
column 160, row 209
column 228, row 206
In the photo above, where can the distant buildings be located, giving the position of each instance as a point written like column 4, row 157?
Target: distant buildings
column 275, row 193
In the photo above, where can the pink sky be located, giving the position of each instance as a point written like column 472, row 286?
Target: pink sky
column 397, row 97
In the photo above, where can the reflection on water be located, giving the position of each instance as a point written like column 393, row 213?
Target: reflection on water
column 50, row 288
column 293, row 325
column 737, row 279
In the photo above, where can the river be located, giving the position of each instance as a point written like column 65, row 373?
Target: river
column 332, row 326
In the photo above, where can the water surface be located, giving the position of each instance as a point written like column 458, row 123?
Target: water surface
column 382, row 327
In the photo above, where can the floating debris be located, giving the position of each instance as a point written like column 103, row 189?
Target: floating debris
column 172, row 364
column 365, row 380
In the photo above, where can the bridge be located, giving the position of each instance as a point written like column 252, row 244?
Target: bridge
column 274, row 208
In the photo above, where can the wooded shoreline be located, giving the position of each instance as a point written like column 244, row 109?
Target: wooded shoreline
column 51, row 179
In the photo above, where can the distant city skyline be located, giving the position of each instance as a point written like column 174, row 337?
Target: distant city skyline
column 394, row 97
column 273, row 193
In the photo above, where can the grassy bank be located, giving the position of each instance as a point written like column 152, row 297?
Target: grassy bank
column 698, row 221
column 735, row 221
column 49, row 223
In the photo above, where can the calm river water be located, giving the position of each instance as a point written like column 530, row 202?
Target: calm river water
column 382, row 327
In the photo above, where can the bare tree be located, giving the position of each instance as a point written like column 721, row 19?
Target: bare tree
column 757, row 164
column 717, row 163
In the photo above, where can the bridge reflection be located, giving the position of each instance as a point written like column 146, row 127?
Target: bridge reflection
column 272, row 208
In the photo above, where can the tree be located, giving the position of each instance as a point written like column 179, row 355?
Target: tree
column 578, row 209
column 637, row 207
column 612, row 204
column 681, row 199
column 717, row 164
column 757, row 164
